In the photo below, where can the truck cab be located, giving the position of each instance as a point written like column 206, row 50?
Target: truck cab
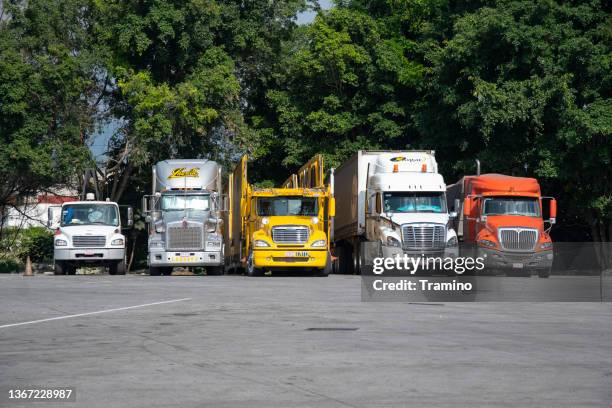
column 502, row 221
column 281, row 228
column 183, row 216
column 89, row 233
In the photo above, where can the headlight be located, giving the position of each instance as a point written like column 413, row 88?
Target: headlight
column 319, row 243
column 214, row 244
column 315, row 220
column 487, row 243
column 546, row 245
column 261, row 243
column 118, row 241
column 61, row 242
column 159, row 228
column 265, row 221
column 393, row 242
column 452, row 242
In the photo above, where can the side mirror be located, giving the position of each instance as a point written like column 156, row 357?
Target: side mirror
column 49, row 217
column 457, row 205
column 332, row 207
column 553, row 209
column 130, row 217
column 52, row 223
column 145, row 204
column 467, row 206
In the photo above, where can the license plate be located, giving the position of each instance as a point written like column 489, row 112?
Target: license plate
column 517, row 265
column 296, row 254
column 183, row 258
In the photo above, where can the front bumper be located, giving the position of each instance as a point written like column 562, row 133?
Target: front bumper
column 185, row 258
column 89, row 254
column 288, row 258
column 494, row 259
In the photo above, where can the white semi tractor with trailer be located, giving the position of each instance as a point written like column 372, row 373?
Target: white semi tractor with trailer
column 395, row 200
column 184, row 216
column 88, row 233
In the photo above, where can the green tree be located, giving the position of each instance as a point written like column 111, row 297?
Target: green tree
column 185, row 73
column 48, row 95
column 525, row 87
column 347, row 81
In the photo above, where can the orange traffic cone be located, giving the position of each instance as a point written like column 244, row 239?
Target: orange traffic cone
column 28, row 267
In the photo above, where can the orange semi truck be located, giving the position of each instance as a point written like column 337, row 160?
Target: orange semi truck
column 501, row 220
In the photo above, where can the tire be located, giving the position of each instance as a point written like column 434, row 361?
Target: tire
column 328, row 267
column 154, row 271
column 215, row 270
column 544, row 273
column 251, row 269
column 59, row 268
column 356, row 259
column 167, row 271
column 117, row 268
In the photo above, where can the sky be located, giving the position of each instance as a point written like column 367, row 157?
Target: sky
column 100, row 141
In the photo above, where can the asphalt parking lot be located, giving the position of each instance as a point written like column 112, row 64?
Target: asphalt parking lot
column 232, row 341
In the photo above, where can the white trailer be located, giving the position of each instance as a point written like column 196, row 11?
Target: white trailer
column 183, row 215
column 395, row 199
column 88, row 233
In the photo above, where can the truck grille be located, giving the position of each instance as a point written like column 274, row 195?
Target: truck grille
column 89, row 241
column 290, row 235
column 518, row 239
column 184, row 238
column 423, row 237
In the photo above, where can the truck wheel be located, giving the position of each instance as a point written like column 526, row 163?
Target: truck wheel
column 356, row 259
column 167, row 271
column 59, row 268
column 117, row 268
column 544, row 273
column 251, row 269
column 328, row 267
column 153, row 271
column 215, row 270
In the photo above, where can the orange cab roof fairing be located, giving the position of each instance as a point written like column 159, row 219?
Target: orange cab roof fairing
column 492, row 184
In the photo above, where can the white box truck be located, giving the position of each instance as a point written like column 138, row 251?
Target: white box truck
column 88, row 233
column 395, row 199
column 184, row 216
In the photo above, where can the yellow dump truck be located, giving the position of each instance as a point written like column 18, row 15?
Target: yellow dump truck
column 285, row 228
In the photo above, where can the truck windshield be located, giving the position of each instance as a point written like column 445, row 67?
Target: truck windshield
column 408, row 202
column 526, row 206
column 90, row 214
column 271, row 206
column 179, row 202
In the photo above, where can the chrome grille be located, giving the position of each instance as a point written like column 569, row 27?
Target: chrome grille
column 89, row 241
column 290, row 234
column 423, row 237
column 518, row 239
column 184, row 238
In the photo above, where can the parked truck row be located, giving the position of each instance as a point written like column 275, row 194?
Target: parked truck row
column 393, row 201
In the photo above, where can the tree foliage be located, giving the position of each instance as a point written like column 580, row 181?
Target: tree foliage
column 48, row 93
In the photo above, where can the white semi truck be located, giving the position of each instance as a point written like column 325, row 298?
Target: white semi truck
column 88, row 233
column 184, row 216
column 395, row 199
